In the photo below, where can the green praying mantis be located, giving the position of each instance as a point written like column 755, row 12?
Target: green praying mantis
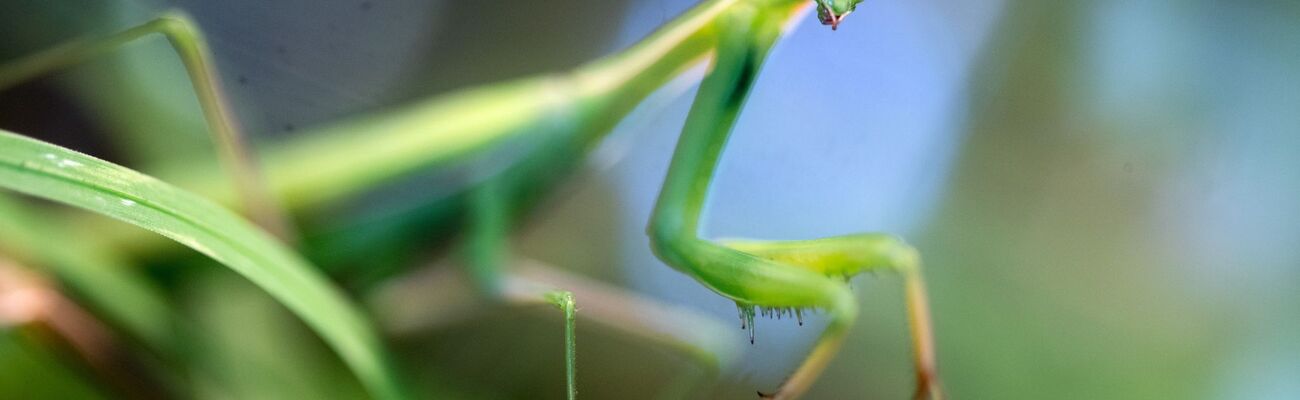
column 554, row 118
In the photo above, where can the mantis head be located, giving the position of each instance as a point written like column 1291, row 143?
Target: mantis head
column 831, row 12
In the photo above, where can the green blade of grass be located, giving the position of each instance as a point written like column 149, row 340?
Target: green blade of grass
column 44, row 170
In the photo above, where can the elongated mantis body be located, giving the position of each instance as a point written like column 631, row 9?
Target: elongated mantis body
column 554, row 119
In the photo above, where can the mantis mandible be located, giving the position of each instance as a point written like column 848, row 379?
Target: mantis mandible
column 557, row 118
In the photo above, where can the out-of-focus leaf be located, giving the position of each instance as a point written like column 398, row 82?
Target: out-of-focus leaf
column 45, row 170
column 249, row 348
column 30, row 373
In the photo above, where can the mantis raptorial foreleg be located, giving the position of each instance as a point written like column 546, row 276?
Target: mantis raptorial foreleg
column 775, row 276
column 853, row 254
column 187, row 40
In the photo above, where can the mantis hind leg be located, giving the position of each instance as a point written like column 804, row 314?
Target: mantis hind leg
column 528, row 282
column 187, row 41
column 699, row 339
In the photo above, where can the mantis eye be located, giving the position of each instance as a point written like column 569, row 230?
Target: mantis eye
column 832, row 12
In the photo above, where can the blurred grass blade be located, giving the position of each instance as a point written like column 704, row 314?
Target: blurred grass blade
column 45, row 170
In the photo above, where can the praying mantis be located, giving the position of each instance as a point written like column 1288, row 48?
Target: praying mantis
column 541, row 126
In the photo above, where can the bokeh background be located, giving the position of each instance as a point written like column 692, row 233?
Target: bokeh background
column 1104, row 192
